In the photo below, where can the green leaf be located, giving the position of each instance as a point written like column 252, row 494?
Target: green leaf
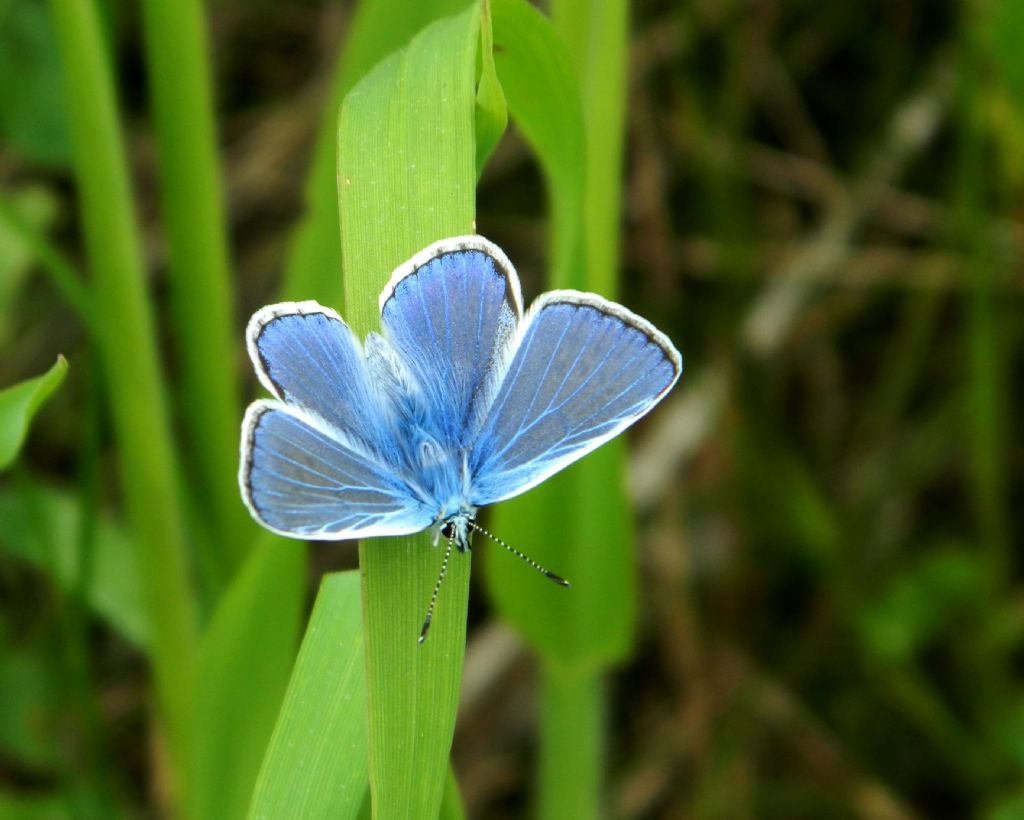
column 147, row 458
column 245, row 659
column 407, row 172
column 491, row 111
column 19, row 403
column 565, row 526
column 180, row 88
column 543, row 98
column 316, row 763
column 1002, row 24
column 313, row 269
column 597, row 35
column 32, row 112
column 451, row 803
column 913, row 609
column 580, row 630
column 42, row 526
column 1003, row 28
column 590, row 623
column 572, row 721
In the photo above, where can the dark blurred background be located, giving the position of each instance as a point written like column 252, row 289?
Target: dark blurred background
column 822, row 209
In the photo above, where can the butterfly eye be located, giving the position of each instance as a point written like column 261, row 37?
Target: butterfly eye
column 448, row 529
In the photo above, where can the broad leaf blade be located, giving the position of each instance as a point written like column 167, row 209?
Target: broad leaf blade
column 32, row 107
column 313, row 270
column 315, row 765
column 245, row 659
column 536, row 75
column 406, row 177
column 576, row 129
column 576, row 523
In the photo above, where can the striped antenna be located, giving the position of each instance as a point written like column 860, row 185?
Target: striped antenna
column 556, row 578
column 437, row 587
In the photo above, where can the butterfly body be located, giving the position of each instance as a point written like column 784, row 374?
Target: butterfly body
column 461, row 401
column 458, row 526
column 433, row 460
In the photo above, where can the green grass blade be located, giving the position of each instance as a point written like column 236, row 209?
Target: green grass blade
column 572, row 750
column 592, row 621
column 572, row 765
column 244, row 663
column 406, row 178
column 491, row 110
column 379, row 27
column 988, row 354
column 451, row 803
column 19, row 403
column 177, row 49
column 597, row 36
column 986, row 403
column 148, row 472
column 316, row 763
column 536, row 75
column 33, row 117
column 41, row 526
column 577, row 631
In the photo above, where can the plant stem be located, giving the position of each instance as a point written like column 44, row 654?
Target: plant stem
column 201, row 298
column 985, row 400
column 571, row 743
column 138, row 403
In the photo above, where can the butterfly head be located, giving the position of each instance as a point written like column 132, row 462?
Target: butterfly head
column 456, row 530
column 458, row 527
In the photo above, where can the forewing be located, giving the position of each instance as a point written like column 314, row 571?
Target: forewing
column 303, row 479
column 583, row 370
column 305, row 354
column 449, row 313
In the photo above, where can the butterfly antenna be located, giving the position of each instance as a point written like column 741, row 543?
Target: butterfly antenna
column 437, row 587
column 558, row 579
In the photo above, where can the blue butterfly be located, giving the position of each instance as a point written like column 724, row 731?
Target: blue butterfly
column 462, row 401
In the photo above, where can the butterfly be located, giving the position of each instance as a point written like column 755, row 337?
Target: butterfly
column 461, row 401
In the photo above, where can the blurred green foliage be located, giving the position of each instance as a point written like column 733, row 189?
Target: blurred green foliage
column 33, row 117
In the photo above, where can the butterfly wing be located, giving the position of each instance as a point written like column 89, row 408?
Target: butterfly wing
column 302, row 478
column 322, row 462
column 449, row 313
column 306, row 355
column 581, row 370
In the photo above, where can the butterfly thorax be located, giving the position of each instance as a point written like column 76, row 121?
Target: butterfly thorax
column 458, row 527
